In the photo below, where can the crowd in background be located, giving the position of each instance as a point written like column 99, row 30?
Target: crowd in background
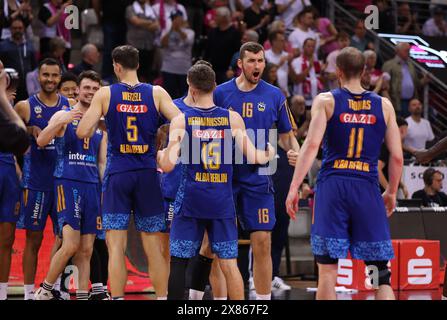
column 301, row 46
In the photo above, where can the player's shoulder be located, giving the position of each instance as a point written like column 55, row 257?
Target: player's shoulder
column 226, row 86
column 325, row 97
column 180, row 103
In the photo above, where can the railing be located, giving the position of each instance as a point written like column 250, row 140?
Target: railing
column 434, row 93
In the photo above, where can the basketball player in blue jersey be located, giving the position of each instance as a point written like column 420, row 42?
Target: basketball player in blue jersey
column 131, row 110
column 350, row 213
column 204, row 197
column 37, row 182
column 79, row 166
column 261, row 106
column 9, row 200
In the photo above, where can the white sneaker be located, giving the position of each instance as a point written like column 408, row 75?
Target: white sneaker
column 279, row 284
column 251, row 284
column 42, row 294
column 65, row 295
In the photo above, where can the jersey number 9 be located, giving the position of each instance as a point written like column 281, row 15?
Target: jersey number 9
column 132, row 129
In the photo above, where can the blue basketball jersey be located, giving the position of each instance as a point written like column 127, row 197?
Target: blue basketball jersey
column 132, row 123
column 171, row 180
column 207, row 173
column 261, row 109
column 38, row 166
column 354, row 135
column 77, row 158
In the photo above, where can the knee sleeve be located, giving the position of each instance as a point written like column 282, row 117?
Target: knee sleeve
column 198, row 272
column 379, row 273
column 176, row 284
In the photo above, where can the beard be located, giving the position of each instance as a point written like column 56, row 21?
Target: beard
column 251, row 78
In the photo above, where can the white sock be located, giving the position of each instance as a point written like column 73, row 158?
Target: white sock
column 3, row 290
column 220, row 298
column 29, row 291
column 57, row 284
column 162, row 298
column 81, row 295
column 263, row 296
column 105, row 288
column 195, row 295
column 97, row 288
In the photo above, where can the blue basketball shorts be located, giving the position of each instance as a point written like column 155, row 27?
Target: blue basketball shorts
column 9, row 194
column 349, row 214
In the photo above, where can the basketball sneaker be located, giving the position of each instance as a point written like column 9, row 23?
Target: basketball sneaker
column 100, row 296
column 42, row 294
column 279, row 284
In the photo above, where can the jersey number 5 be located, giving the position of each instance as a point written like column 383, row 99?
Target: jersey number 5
column 211, row 156
column 132, row 129
column 352, row 143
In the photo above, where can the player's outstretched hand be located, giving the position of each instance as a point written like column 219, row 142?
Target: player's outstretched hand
column 390, row 202
column 422, row 156
column 292, row 203
column 292, row 156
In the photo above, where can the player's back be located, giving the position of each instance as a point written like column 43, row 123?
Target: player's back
column 260, row 108
column 38, row 167
column 132, row 121
column 207, row 174
column 354, row 135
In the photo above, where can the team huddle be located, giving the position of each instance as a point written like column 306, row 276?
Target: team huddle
column 128, row 149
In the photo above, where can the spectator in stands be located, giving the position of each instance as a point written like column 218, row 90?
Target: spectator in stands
column 419, row 129
column 142, row 26
column 407, row 21
column 270, row 74
column 114, row 30
column 303, row 30
column 359, row 39
column 436, row 26
column 330, row 72
column 177, row 49
column 195, row 12
column 281, row 58
column 68, row 87
column 289, row 9
column 278, row 25
column 90, row 57
column 431, row 195
column 308, row 71
column 163, row 10
column 328, row 34
column 57, row 51
column 18, row 53
column 13, row 9
column 257, row 19
column 301, row 116
column 386, row 17
column 385, row 157
column 234, row 70
column 223, row 42
column 404, row 82
column 379, row 80
column 53, row 16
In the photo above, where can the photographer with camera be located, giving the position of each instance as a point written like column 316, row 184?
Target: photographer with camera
column 13, row 139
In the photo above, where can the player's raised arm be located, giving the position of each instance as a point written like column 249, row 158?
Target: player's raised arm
column 309, row 149
column 90, row 120
column 244, row 143
column 57, row 125
column 395, row 164
column 164, row 103
column 167, row 158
